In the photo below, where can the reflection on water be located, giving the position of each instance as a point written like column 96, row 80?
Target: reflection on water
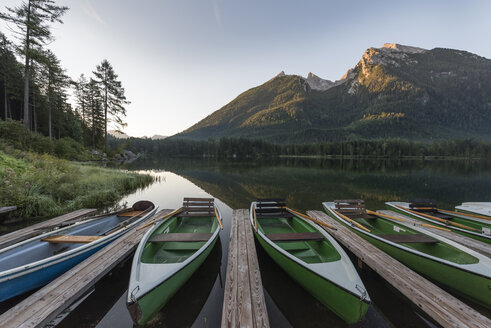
column 305, row 184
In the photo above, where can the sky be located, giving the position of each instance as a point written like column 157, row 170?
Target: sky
column 179, row 61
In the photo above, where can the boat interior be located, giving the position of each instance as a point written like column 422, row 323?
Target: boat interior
column 293, row 234
column 63, row 240
column 429, row 207
column 180, row 236
column 398, row 233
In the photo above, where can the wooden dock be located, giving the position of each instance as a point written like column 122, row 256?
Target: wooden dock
column 473, row 244
column 444, row 308
column 44, row 305
column 7, row 209
column 36, row 229
column 243, row 303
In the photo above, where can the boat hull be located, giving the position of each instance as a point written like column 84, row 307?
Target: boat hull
column 462, row 282
column 346, row 305
column 149, row 304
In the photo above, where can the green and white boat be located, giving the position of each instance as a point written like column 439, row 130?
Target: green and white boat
column 478, row 228
column 439, row 259
column 169, row 253
column 480, row 209
column 311, row 256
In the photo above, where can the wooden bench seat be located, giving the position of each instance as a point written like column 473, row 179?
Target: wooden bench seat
column 295, row 236
column 180, row 237
column 71, row 239
column 409, row 238
column 130, row 214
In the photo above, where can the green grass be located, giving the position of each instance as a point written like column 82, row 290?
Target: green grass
column 43, row 185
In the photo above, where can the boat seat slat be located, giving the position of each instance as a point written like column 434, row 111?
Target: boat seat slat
column 180, row 237
column 186, row 214
column 409, row 238
column 295, row 236
column 361, row 216
column 69, row 239
column 277, row 215
column 130, row 214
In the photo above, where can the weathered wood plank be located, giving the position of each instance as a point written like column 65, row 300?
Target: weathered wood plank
column 7, row 209
column 71, row 239
column 473, row 244
column 244, row 304
column 259, row 312
column 445, row 309
column 31, row 231
column 41, row 307
column 229, row 313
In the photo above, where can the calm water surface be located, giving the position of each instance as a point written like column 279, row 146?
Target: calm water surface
column 305, row 184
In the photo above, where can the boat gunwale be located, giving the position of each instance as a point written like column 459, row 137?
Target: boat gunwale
column 58, row 258
column 463, row 267
column 342, row 253
column 137, row 262
column 405, row 210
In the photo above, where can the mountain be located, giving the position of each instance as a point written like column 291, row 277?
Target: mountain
column 157, row 137
column 118, row 134
column 393, row 91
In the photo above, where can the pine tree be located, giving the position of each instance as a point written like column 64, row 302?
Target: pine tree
column 95, row 98
column 114, row 99
column 32, row 20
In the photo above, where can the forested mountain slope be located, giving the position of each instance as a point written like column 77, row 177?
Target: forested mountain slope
column 393, row 91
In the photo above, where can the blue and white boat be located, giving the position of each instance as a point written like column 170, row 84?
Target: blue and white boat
column 35, row 262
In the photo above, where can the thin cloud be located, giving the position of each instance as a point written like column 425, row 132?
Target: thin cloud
column 91, row 12
column 216, row 10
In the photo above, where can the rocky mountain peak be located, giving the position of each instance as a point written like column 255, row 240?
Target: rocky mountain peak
column 316, row 83
column 402, row 48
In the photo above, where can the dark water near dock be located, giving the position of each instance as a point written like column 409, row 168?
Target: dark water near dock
column 305, row 183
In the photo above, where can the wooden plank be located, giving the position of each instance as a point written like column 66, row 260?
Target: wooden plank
column 68, row 239
column 444, row 308
column 229, row 313
column 41, row 307
column 180, row 237
column 207, row 200
column 244, row 304
column 409, row 238
column 295, row 236
column 7, row 209
column 473, row 244
column 34, row 230
column 130, row 213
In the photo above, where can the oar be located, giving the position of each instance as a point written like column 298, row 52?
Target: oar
column 160, row 218
column 311, row 219
column 218, row 217
column 400, row 219
column 466, row 214
column 439, row 219
column 350, row 220
column 255, row 218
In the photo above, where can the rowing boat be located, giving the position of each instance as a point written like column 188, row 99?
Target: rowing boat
column 311, row 256
column 35, row 262
column 476, row 208
column 449, row 263
column 169, row 253
column 469, row 225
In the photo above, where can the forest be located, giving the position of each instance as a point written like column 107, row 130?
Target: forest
column 251, row 148
column 36, row 90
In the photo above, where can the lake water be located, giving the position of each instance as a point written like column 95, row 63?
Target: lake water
column 305, row 183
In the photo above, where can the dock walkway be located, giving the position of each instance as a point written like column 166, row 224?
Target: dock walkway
column 243, row 302
column 36, row 229
column 444, row 308
column 44, row 305
column 473, row 244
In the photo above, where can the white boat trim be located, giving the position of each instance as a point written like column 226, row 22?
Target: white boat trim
column 482, row 267
column 325, row 269
column 137, row 288
column 49, row 261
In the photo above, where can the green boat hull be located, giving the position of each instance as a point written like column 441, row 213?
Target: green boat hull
column 347, row 306
column 469, row 223
column 148, row 305
column 464, row 283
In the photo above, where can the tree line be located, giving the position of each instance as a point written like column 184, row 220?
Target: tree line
column 250, row 148
column 36, row 91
